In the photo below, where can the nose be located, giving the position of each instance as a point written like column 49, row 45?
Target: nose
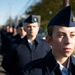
column 67, row 40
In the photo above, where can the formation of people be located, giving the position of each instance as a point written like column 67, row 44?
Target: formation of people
column 34, row 56
column 22, row 44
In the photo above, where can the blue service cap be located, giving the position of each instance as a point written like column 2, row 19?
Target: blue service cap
column 31, row 19
column 21, row 24
column 14, row 26
column 63, row 18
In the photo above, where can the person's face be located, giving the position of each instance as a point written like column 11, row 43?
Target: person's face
column 63, row 41
column 21, row 30
column 14, row 30
column 10, row 29
column 31, row 29
column 7, row 28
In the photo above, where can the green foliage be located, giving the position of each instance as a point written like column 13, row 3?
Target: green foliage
column 72, row 3
column 43, row 8
column 47, row 9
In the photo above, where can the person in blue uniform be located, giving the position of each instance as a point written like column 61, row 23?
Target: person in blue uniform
column 19, row 38
column 32, row 48
column 21, row 32
column 11, row 39
column 61, row 36
column 4, row 40
column 15, row 37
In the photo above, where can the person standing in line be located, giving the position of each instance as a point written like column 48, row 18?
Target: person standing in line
column 61, row 36
column 32, row 48
column 21, row 32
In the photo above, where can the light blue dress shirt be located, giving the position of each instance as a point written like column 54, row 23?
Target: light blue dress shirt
column 65, row 70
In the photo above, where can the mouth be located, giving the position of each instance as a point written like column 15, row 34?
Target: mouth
column 67, row 49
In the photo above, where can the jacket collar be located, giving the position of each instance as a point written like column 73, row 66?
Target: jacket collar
column 37, row 39
column 50, row 62
column 72, row 60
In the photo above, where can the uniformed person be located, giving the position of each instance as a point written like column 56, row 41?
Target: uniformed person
column 15, row 36
column 21, row 32
column 61, row 36
column 32, row 48
column 11, row 42
column 4, row 39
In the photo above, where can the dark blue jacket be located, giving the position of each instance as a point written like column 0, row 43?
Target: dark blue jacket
column 20, row 56
column 46, row 66
column 4, row 41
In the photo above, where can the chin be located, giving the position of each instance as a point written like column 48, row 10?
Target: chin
column 67, row 55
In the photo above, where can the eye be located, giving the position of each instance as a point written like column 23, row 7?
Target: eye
column 28, row 27
column 61, row 35
column 72, row 35
column 34, row 26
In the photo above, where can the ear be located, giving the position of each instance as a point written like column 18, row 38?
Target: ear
column 49, row 39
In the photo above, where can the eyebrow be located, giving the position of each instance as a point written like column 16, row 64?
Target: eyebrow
column 64, row 32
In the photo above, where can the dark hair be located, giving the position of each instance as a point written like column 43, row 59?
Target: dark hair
column 50, row 30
